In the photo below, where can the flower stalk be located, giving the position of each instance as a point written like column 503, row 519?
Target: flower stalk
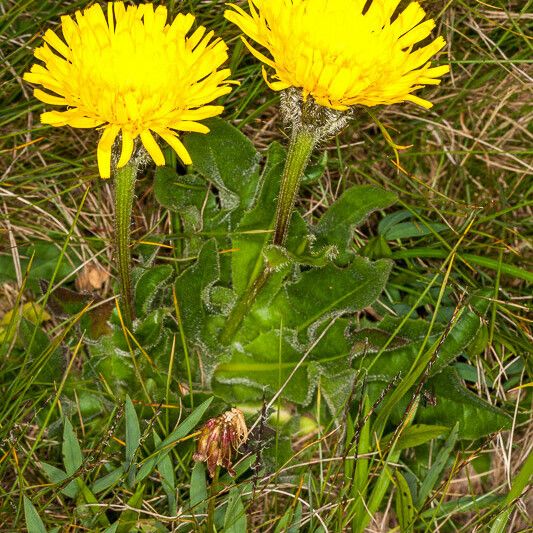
column 124, row 192
column 303, row 141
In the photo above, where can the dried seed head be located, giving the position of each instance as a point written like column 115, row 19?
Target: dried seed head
column 219, row 438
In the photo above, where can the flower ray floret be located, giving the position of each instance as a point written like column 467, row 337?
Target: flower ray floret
column 132, row 75
column 341, row 53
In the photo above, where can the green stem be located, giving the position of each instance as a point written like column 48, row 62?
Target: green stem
column 243, row 305
column 213, row 491
column 300, row 148
column 124, row 191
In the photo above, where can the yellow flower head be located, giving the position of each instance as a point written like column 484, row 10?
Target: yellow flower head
column 341, row 54
column 131, row 73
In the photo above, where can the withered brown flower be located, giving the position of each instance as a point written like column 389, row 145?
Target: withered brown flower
column 219, row 438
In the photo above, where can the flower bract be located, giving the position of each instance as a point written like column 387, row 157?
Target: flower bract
column 128, row 72
column 343, row 52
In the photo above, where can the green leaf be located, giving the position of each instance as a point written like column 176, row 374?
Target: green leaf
column 133, row 433
column 407, row 230
column 106, row 482
column 337, row 224
column 57, row 476
column 72, row 455
column 227, row 158
column 192, row 289
column 336, row 384
column 235, row 518
column 198, row 490
column 90, row 499
column 404, row 503
column 166, row 471
column 255, row 228
column 128, row 518
column 166, row 446
column 330, row 291
column 177, row 192
column 390, row 220
column 416, row 435
column 148, row 286
column 393, row 227
column 148, row 331
column 114, row 364
column 456, row 404
column 33, row 520
column 266, row 363
column 434, row 473
column 405, row 347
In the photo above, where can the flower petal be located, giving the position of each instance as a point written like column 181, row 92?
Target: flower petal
column 104, row 150
column 172, row 139
column 127, row 149
column 152, row 148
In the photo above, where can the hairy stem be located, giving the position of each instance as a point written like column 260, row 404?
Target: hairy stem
column 300, row 148
column 124, row 192
column 243, row 305
column 213, row 491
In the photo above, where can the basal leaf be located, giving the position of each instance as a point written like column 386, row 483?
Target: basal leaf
column 337, row 224
column 228, row 159
column 265, row 364
column 148, row 286
column 456, row 404
column 331, row 291
column 178, row 192
column 192, row 289
column 149, row 329
column 404, row 348
column 336, row 382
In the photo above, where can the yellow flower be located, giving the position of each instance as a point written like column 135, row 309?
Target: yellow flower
column 132, row 74
column 341, row 54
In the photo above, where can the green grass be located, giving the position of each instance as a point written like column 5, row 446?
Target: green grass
column 469, row 170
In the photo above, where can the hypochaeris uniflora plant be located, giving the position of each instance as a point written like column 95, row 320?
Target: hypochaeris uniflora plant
column 331, row 55
column 135, row 78
column 327, row 57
